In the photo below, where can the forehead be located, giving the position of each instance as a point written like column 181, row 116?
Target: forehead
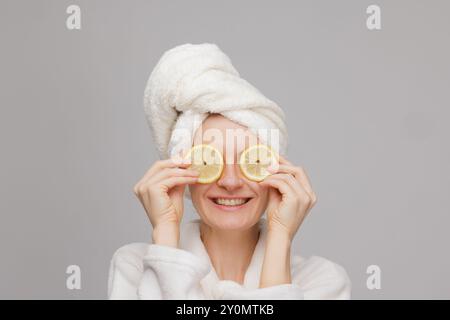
column 223, row 133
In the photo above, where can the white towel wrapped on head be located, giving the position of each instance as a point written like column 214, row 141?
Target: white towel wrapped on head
column 190, row 82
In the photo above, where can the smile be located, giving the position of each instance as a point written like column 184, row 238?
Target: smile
column 230, row 204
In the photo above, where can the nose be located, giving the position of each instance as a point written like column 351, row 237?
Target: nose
column 230, row 179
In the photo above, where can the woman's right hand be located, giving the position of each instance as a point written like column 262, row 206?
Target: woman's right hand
column 160, row 191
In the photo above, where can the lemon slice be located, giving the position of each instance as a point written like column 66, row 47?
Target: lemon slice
column 207, row 160
column 255, row 160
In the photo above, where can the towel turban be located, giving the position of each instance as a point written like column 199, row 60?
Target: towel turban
column 191, row 81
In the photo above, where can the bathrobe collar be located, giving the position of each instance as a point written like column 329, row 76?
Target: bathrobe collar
column 191, row 241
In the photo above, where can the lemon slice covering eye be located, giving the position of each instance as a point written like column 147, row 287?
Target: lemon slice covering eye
column 207, row 160
column 255, row 160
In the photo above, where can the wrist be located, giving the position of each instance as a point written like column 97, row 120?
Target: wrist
column 166, row 234
column 279, row 232
column 276, row 266
column 282, row 239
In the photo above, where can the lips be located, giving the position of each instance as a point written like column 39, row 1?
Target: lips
column 230, row 203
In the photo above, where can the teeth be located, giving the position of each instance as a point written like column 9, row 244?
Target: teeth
column 230, row 202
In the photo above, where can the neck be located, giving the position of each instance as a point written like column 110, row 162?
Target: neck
column 230, row 251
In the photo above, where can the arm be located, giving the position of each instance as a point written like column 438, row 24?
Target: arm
column 276, row 267
column 149, row 273
column 290, row 200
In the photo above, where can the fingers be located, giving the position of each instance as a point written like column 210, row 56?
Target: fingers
column 165, row 171
column 307, row 197
column 293, row 184
column 303, row 178
column 280, row 184
column 164, row 185
column 283, row 160
column 172, row 172
column 161, row 164
column 176, row 181
column 299, row 174
column 298, row 194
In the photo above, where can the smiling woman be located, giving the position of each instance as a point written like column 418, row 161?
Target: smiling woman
column 231, row 251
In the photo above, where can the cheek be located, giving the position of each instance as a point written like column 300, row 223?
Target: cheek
column 197, row 192
column 261, row 192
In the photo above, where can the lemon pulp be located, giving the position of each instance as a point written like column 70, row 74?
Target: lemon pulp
column 207, row 160
column 255, row 160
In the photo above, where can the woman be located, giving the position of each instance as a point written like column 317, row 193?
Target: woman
column 231, row 251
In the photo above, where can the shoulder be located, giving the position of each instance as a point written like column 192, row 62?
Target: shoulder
column 321, row 278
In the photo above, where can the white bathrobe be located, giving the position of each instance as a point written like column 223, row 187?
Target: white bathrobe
column 150, row 271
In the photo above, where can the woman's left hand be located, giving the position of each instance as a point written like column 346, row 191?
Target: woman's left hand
column 290, row 198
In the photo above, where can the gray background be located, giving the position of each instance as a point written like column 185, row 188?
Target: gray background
column 367, row 115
